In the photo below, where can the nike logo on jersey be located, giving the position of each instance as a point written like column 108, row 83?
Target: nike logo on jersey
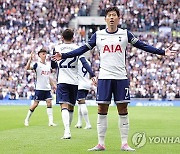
column 103, row 39
column 112, row 48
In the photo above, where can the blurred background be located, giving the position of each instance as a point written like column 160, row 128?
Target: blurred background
column 27, row 25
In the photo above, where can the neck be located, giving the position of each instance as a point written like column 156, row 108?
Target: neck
column 43, row 61
column 67, row 42
column 111, row 29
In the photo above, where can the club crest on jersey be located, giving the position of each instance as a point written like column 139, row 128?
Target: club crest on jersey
column 112, row 48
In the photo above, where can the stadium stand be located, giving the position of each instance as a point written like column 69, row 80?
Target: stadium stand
column 27, row 25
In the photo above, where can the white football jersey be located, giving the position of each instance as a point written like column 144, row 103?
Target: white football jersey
column 84, row 81
column 67, row 68
column 112, row 48
column 42, row 76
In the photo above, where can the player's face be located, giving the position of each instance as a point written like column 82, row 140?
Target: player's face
column 112, row 19
column 42, row 55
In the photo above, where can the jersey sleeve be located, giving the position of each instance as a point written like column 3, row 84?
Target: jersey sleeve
column 92, row 42
column 143, row 46
column 54, row 64
column 35, row 66
column 79, row 51
column 86, row 66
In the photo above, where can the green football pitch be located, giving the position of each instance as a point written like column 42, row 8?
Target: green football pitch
column 39, row 138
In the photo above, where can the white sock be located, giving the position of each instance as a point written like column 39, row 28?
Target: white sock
column 50, row 115
column 124, row 128
column 70, row 117
column 79, row 123
column 85, row 114
column 65, row 119
column 101, row 128
column 30, row 112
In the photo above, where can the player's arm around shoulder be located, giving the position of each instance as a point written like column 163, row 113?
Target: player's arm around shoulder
column 28, row 65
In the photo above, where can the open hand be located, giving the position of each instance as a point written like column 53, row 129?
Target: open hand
column 57, row 57
column 169, row 51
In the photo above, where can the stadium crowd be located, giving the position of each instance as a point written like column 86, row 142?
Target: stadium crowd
column 28, row 25
column 144, row 15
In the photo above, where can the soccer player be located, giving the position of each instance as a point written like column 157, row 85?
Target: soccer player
column 67, row 80
column 43, row 85
column 112, row 43
column 84, row 85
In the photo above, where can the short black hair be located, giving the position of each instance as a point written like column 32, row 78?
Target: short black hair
column 112, row 8
column 68, row 34
column 42, row 50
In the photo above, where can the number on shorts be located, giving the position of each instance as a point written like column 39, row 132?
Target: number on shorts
column 127, row 91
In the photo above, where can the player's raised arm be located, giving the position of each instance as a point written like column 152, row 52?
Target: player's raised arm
column 28, row 65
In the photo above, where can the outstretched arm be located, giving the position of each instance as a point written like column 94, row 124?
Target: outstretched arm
column 141, row 45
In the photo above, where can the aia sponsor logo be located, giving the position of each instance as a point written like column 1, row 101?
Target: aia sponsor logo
column 45, row 72
column 112, row 48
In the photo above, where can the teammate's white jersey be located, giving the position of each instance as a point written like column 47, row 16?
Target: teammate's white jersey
column 42, row 76
column 112, row 49
column 67, row 68
column 84, row 81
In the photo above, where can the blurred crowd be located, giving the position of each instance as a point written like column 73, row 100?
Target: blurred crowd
column 27, row 25
column 144, row 15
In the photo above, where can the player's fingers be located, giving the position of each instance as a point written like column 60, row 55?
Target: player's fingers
column 173, row 52
column 53, row 59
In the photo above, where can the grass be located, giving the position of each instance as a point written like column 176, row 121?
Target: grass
column 38, row 138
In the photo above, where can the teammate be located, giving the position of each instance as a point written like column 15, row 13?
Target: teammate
column 84, row 84
column 43, row 85
column 67, row 82
column 112, row 43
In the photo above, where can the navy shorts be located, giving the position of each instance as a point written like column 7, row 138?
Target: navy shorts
column 66, row 93
column 82, row 94
column 42, row 95
column 107, row 87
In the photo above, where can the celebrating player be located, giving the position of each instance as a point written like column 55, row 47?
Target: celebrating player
column 112, row 43
column 43, row 85
column 67, row 82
